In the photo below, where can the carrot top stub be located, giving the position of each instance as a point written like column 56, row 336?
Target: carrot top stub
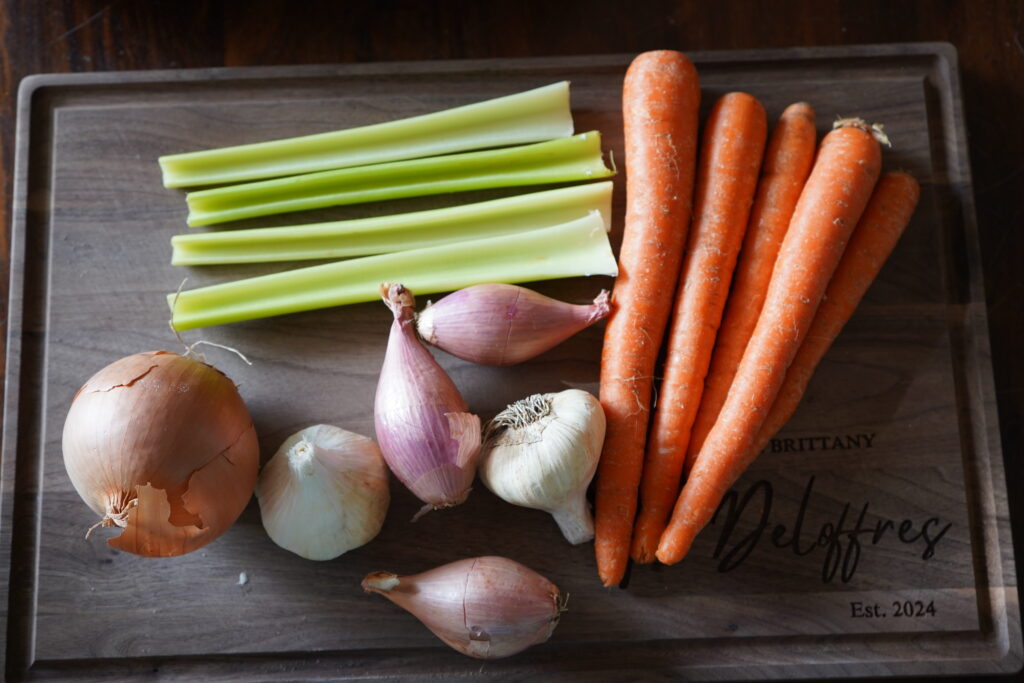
column 660, row 101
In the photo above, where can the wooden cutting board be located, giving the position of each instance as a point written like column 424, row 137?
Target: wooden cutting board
column 871, row 538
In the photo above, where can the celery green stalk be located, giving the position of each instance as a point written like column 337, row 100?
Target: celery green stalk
column 555, row 161
column 578, row 247
column 531, row 116
column 397, row 232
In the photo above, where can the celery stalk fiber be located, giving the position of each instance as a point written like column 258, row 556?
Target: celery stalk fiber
column 531, row 116
column 578, row 247
column 555, row 161
column 396, row 232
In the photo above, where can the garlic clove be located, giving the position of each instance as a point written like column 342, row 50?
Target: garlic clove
column 542, row 452
column 484, row 607
column 324, row 492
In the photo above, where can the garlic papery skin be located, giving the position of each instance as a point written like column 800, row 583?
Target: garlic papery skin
column 541, row 453
column 324, row 492
column 499, row 324
column 484, row 607
column 426, row 436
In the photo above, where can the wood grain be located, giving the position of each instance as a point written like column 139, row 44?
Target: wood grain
column 909, row 372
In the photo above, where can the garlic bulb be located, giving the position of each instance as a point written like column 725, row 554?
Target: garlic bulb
column 484, row 607
column 324, row 492
column 541, row 452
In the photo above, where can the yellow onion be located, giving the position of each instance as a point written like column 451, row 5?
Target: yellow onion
column 484, row 607
column 162, row 446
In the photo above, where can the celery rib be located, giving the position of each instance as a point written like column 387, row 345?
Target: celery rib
column 530, row 116
column 555, row 161
column 396, row 232
column 578, row 247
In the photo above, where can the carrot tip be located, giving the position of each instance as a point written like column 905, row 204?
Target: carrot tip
column 642, row 554
column 646, row 537
column 675, row 543
column 611, row 570
column 610, row 581
column 666, row 556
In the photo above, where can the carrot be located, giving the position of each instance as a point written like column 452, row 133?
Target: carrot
column 730, row 160
column 844, row 173
column 886, row 216
column 660, row 102
column 787, row 162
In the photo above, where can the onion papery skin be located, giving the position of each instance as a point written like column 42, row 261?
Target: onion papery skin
column 501, row 324
column 484, row 607
column 162, row 446
column 427, row 438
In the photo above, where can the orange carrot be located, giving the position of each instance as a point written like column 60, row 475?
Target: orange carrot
column 841, row 181
column 660, row 102
column 886, row 216
column 787, row 162
column 730, row 160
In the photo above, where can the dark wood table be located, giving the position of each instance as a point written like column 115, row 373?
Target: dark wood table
column 89, row 35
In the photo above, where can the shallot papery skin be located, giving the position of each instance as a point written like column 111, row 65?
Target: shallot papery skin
column 500, row 324
column 484, row 607
column 162, row 446
column 426, row 436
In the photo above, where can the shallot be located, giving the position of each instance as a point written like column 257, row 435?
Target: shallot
column 484, row 607
column 426, row 436
column 500, row 324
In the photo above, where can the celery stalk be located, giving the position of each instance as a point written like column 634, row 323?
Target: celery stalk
column 397, row 232
column 531, row 116
column 578, row 247
column 555, row 161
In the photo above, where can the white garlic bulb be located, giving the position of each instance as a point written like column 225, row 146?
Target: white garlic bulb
column 324, row 492
column 541, row 453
